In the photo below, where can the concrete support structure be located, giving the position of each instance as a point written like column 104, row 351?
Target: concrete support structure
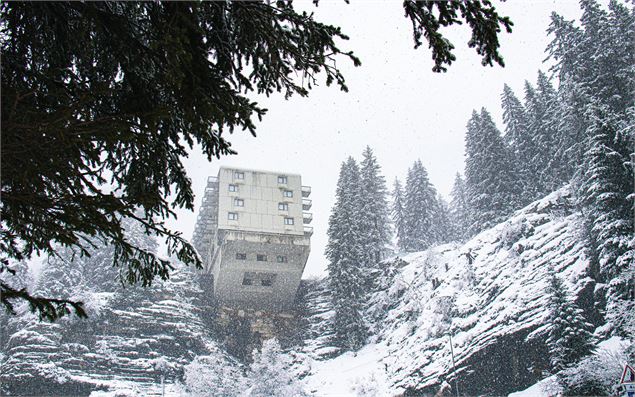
column 252, row 233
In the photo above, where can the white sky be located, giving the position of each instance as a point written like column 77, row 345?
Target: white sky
column 395, row 104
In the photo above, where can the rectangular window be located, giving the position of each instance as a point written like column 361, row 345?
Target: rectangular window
column 249, row 278
column 239, row 175
column 261, row 258
column 239, row 202
column 288, row 193
column 281, row 259
column 282, row 179
column 288, row 221
column 241, row 256
column 267, row 279
column 283, row 206
column 232, row 216
column 233, row 188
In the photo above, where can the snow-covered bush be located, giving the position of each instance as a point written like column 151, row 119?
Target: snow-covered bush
column 366, row 387
column 516, row 230
column 597, row 374
column 210, row 376
column 271, row 375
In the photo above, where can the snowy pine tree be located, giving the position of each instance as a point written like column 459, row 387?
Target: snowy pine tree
column 270, row 373
column 345, row 253
column 374, row 211
column 607, row 194
column 398, row 214
column 522, row 146
column 459, row 210
column 490, row 176
column 211, row 376
column 443, row 228
column 596, row 65
column 570, row 336
column 420, row 209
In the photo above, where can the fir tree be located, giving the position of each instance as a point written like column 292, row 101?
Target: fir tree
column 521, row 144
column 607, row 194
column 420, row 209
column 540, row 105
column 374, row 212
column 547, row 135
column 398, row 214
column 570, row 336
column 344, row 251
column 596, row 64
column 459, row 210
column 270, row 373
column 490, row 176
column 443, row 224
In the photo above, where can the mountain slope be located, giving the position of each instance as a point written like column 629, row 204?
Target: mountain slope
column 137, row 336
column 487, row 294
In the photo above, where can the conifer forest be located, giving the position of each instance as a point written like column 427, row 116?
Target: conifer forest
column 276, row 198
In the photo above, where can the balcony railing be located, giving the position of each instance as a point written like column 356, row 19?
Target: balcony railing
column 306, row 191
column 307, row 217
column 306, row 204
column 308, row 230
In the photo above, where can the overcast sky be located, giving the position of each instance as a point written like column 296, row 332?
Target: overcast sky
column 396, row 105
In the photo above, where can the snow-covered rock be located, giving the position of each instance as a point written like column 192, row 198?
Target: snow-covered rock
column 130, row 341
column 488, row 295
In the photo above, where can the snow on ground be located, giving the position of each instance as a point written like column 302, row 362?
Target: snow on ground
column 547, row 387
column 484, row 291
column 360, row 373
column 613, row 347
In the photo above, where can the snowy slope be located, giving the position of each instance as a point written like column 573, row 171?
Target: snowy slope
column 120, row 346
column 494, row 309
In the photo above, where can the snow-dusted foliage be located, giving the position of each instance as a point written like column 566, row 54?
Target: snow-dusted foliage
column 398, row 214
column 570, row 335
column 347, row 265
column 270, row 373
column 129, row 333
column 213, row 375
column 420, row 209
column 374, row 211
column 459, row 211
column 598, row 374
column 596, row 65
column 491, row 179
column 490, row 295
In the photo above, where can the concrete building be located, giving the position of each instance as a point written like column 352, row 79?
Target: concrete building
column 253, row 234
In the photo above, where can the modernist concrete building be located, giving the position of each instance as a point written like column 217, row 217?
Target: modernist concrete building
column 253, row 234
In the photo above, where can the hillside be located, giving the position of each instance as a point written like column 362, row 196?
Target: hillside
column 493, row 307
column 132, row 338
column 487, row 294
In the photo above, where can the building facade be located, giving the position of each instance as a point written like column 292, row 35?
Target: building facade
column 254, row 236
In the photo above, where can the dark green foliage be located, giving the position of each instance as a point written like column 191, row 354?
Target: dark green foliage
column 374, row 212
column 459, row 210
column 570, row 336
column 428, row 16
column 102, row 100
column 46, row 308
column 491, row 183
column 420, row 209
column 596, row 65
column 345, row 253
column 398, row 214
column 521, row 143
